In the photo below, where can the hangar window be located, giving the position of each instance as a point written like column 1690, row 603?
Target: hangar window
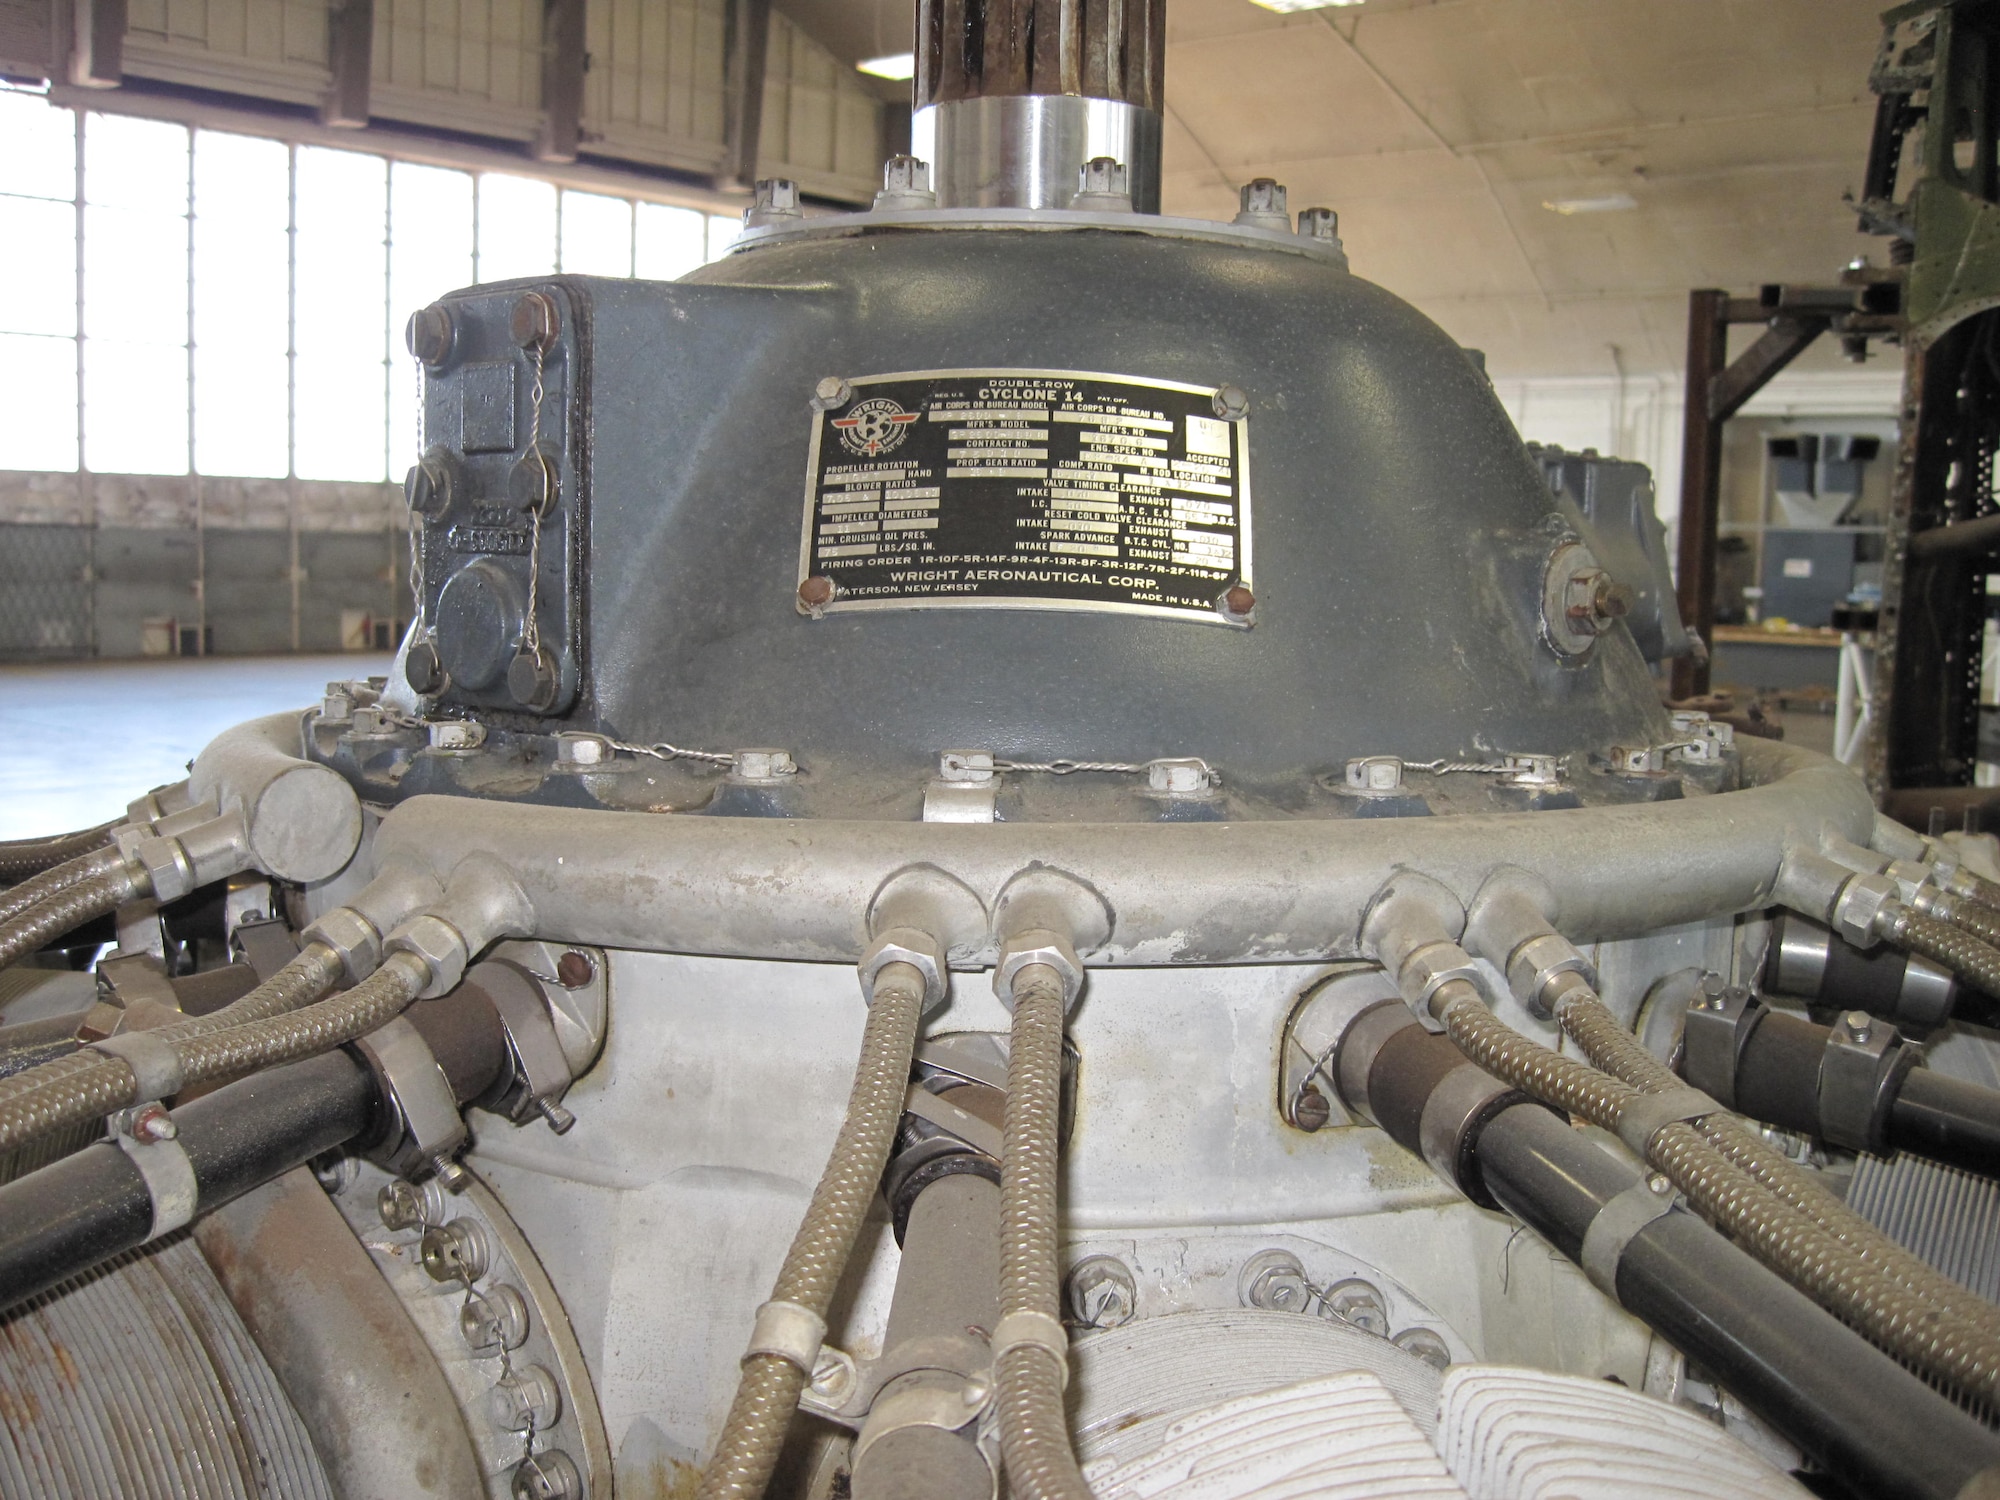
column 192, row 300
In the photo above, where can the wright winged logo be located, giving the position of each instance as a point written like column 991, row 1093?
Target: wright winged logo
column 874, row 427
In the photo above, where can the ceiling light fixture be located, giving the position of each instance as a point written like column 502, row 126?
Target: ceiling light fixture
column 900, row 66
column 1612, row 203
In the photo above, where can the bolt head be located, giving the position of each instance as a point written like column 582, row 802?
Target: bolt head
column 1231, row 404
column 535, row 320
column 816, row 593
column 533, row 484
column 401, row 1205
column 574, row 970
column 427, row 488
column 764, row 765
column 424, row 671
column 1859, row 1024
column 1311, row 1111
column 1358, row 1303
column 429, row 334
column 548, row 1475
column 532, row 681
column 832, row 393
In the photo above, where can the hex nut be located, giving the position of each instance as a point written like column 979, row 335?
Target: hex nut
column 1860, row 907
column 1427, row 1346
column 832, row 392
column 352, row 937
column 1237, row 604
column 427, row 488
column 1178, row 777
column 1101, row 1293
column 1319, row 224
column 1262, row 204
column 1357, row 1303
column 1274, row 1281
column 459, row 1250
column 168, row 871
column 906, row 945
column 764, row 765
column 1029, row 949
column 1375, row 773
column 1435, row 965
column 775, row 200
column 439, row 944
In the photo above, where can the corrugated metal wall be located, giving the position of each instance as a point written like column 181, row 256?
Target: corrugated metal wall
column 125, row 565
column 653, row 95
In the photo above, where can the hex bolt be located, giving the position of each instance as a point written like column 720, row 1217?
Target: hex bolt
column 1275, row 1281
column 533, row 484
column 1375, row 773
column 1357, row 1303
column 1426, row 1345
column 1860, row 1026
column 456, row 1251
column 1101, row 1293
column 535, row 320
column 532, row 680
column 428, row 334
column 525, row 1400
column 1231, row 404
column 1321, row 224
column 832, row 393
column 574, row 970
column 152, row 1124
column 335, row 1171
column 764, row 765
column 403, row 1204
column 815, row 594
column 1237, row 604
column 548, row 1475
column 1310, row 1111
column 494, row 1321
column 427, row 487
column 559, row 1119
column 424, row 670
column 448, row 1174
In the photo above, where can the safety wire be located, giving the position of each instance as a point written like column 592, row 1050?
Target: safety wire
column 531, row 634
column 506, row 1356
column 664, row 751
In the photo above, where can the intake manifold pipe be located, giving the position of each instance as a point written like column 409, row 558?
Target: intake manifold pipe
column 1855, row 1084
column 1864, row 1418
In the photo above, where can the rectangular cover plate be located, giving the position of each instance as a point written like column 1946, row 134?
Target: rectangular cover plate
column 1028, row 489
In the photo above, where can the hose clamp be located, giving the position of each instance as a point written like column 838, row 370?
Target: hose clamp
column 425, row 1127
column 1035, row 1329
column 785, row 1330
column 1857, row 1078
column 1719, row 1024
column 155, row 1063
column 1616, row 1225
column 1646, row 1115
column 164, row 1167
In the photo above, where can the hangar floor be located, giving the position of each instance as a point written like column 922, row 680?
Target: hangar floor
column 79, row 740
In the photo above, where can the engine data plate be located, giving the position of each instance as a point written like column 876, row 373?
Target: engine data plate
column 1026, row 489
